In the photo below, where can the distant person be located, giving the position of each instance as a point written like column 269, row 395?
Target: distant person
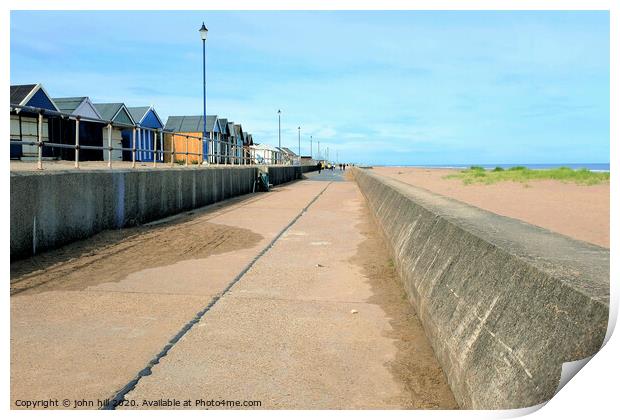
column 319, row 166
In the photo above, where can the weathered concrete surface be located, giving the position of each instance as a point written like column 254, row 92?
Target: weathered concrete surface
column 285, row 334
column 81, row 332
column 504, row 303
column 53, row 208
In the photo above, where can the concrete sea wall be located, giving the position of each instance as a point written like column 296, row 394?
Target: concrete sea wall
column 504, row 303
column 50, row 209
column 281, row 174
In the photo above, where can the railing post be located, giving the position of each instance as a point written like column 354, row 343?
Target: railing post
column 186, row 150
column 161, row 141
column 172, row 141
column 133, row 148
column 154, row 148
column 109, row 145
column 40, row 143
column 140, row 156
column 77, row 142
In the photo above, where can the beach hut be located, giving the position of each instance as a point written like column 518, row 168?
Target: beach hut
column 24, row 125
column 117, row 114
column 184, row 126
column 226, row 144
column 90, row 128
column 237, row 143
column 247, row 141
column 147, row 135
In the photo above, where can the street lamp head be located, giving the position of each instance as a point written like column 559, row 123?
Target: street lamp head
column 203, row 32
column 299, row 128
column 279, row 112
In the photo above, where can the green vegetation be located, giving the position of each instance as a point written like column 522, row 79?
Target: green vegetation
column 189, row 162
column 478, row 175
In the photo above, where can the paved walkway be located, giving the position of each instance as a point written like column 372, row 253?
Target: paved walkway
column 293, row 311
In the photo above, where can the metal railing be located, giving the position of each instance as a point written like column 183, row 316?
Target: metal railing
column 221, row 151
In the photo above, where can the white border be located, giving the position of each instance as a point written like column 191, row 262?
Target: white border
column 592, row 394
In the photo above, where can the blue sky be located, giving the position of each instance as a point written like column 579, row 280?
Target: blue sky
column 417, row 87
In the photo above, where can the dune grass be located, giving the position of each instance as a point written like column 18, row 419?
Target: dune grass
column 478, row 175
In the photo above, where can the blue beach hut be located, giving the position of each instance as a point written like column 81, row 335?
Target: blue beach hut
column 148, row 124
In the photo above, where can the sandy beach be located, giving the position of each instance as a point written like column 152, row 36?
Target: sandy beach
column 577, row 211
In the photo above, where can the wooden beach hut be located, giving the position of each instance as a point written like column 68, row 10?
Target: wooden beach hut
column 90, row 128
column 148, row 135
column 116, row 113
column 24, row 125
column 187, row 134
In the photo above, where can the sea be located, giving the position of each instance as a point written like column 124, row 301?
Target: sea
column 594, row 167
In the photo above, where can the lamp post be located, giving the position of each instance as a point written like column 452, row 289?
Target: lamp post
column 299, row 142
column 319, row 151
column 203, row 35
column 279, row 133
column 311, row 146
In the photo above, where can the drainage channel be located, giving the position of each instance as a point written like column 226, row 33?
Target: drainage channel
column 119, row 397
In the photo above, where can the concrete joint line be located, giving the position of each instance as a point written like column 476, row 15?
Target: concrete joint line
column 130, row 386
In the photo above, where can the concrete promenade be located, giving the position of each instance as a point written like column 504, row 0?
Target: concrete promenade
column 288, row 298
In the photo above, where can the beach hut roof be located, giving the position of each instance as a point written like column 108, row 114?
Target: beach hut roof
column 265, row 147
column 238, row 130
column 32, row 95
column 20, row 92
column 191, row 124
column 77, row 105
column 145, row 116
column 116, row 111
column 288, row 151
column 223, row 122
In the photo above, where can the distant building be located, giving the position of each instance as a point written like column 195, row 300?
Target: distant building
column 147, row 134
column 118, row 114
column 288, row 156
column 307, row 160
column 264, row 154
column 25, row 123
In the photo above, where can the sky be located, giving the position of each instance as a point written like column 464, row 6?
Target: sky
column 391, row 88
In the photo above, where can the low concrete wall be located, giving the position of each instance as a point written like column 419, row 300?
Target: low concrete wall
column 504, row 303
column 50, row 209
column 281, row 174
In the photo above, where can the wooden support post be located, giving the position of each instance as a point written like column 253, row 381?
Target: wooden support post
column 186, row 151
column 161, row 141
column 140, row 145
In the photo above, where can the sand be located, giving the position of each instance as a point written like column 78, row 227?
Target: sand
column 578, row 211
